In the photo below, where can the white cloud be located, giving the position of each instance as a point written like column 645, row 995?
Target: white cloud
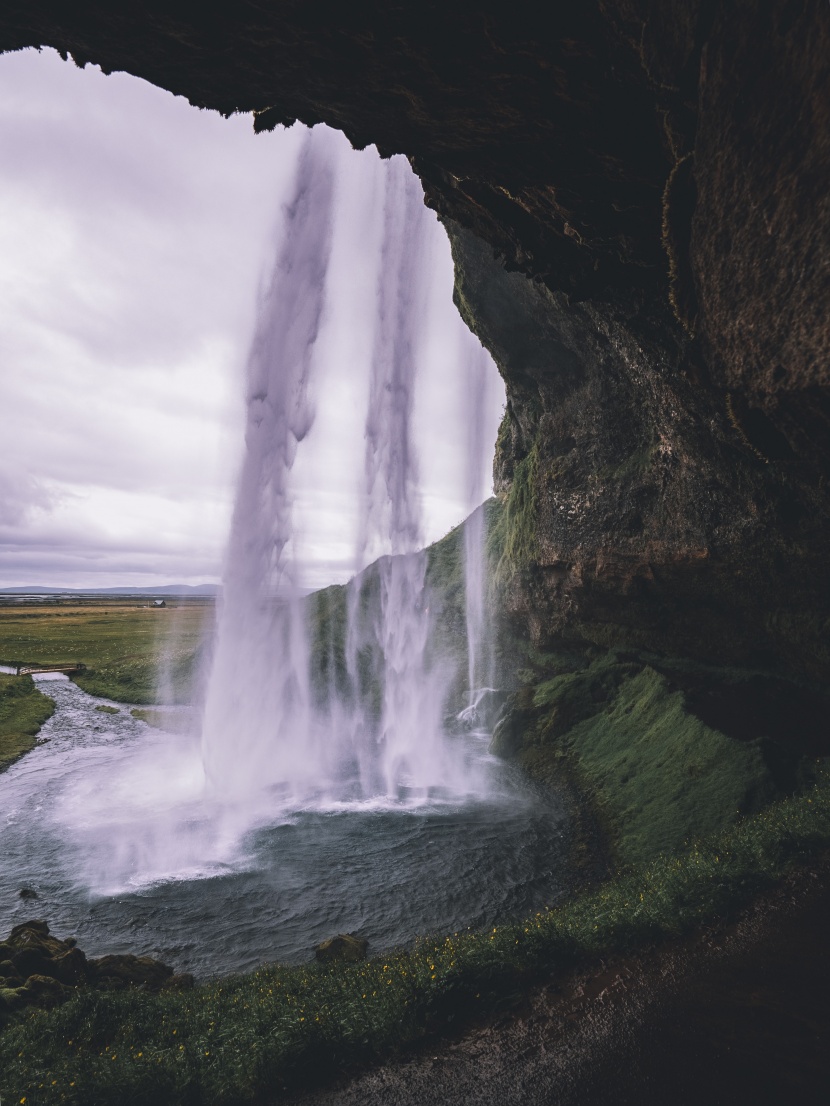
column 134, row 231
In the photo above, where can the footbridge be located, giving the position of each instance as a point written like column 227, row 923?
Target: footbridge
column 67, row 669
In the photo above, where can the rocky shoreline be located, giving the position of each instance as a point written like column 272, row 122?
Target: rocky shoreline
column 38, row 969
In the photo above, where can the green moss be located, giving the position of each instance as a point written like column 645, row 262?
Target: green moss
column 23, row 710
column 662, row 776
column 512, row 537
column 104, row 709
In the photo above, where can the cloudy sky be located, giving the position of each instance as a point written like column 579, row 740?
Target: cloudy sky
column 135, row 233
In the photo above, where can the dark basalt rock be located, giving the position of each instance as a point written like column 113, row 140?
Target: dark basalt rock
column 127, row 970
column 343, row 947
column 38, row 969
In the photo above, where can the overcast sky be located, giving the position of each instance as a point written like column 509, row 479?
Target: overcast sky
column 135, row 232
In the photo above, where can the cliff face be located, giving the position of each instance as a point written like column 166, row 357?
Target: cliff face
column 639, row 211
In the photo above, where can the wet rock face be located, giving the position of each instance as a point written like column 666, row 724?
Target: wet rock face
column 652, row 175
column 650, row 520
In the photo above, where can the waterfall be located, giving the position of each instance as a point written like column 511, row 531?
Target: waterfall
column 375, row 731
column 478, row 673
column 257, row 716
column 409, row 745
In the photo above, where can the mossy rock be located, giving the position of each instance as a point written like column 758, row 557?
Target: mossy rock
column 126, row 970
column 512, row 727
column 12, row 999
column 344, row 947
column 43, row 991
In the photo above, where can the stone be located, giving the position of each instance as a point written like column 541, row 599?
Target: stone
column 27, row 893
column 9, row 975
column 70, row 968
column 125, row 970
column 344, row 947
column 11, row 999
column 43, row 991
column 28, row 931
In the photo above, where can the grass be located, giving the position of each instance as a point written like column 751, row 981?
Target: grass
column 170, row 721
column 23, row 710
column 657, row 772
column 233, row 1040
column 121, row 644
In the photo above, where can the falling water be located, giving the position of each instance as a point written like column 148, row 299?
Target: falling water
column 479, row 674
column 257, row 718
column 379, row 737
column 413, row 756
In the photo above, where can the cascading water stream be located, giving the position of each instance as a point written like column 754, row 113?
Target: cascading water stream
column 479, row 666
column 411, row 752
column 258, row 727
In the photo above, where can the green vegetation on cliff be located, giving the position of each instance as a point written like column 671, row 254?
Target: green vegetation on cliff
column 23, row 710
column 659, row 774
column 654, row 762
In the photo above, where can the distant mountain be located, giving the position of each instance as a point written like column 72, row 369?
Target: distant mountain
column 163, row 589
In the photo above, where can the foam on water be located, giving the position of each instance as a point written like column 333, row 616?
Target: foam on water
column 106, row 822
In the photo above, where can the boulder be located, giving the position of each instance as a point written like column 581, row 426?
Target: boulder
column 28, row 931
column 125, row 970
column 345, row 947
column 32, row 960
column 11, row 999
column 52, row 968
column 31, row 950
column 70, row 968
column 7, row 969
column 43, row 991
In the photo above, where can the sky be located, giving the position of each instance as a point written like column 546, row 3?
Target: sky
column 135, row 235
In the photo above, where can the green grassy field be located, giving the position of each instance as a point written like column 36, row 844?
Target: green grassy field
column 120, row 642
column 23, row 710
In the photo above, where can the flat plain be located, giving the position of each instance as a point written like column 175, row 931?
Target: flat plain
column 123, row 642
